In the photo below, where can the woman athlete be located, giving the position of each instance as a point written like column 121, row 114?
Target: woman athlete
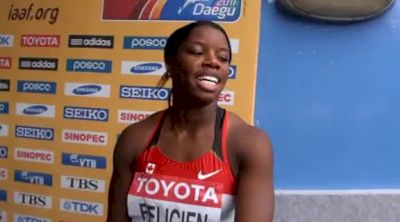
column 193, row 161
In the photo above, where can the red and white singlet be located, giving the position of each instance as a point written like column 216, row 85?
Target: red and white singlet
column 202, row 190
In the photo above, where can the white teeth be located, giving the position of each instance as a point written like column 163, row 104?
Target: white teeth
column 212, row 79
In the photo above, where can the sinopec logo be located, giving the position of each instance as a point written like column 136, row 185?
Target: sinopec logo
column 226, row 98
column 86, row 113
column 6, row 41
column 82, row 207
column 35, row 110
column 4, row 85
column 40, row 40
column 3, row 174
column 143, row 68
column 82, row 184
column 33, row 200
column 86, row 65
column 144, row 42
column 49, row 64
column 38, row 156
column 3, row 195
column 5, row 62
column 3, row 214
column 3, row 130
column 36, row 87
column 84, row 137
column 3, row 152
column 87, row 89
column 33, row 178
column 30, row 132
column 91, row 41
column 132, row 116
column 141, row 92
column 29, row 218
column 86, row 161
column 4, row 108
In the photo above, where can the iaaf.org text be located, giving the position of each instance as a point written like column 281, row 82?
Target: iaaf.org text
column 31, row 12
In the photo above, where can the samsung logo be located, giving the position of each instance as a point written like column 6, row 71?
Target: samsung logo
column 36, row 87
column 86, row 161
column 91, row 41
column 143, row 68
column 88, row 90
column 5, row 62
column 3, row 195
column 34, row 132
column 4, row 85
column 6, row 41
column 33, row 178
column 36, row 110
column 86, row 65
column 3, row 152
column 32, row 200
column 29, row 218
column 3, row 130
column 144, row 42
column 85, row 113
column 49, row 64
column 82, row 207
column 3, row 107
column 140, row 92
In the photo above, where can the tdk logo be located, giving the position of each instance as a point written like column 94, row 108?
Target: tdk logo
column 33, row 178
column 232, row 72
column 38, row 63
column 5, row 62
column 86, row 161
column 3, row 195
column 83, row 207
column 33, row 200
column 91, row 41
column 143, row 68
column 3, row 107
column 3, row 130
column 86, row 65
column 6, row 41
column 144, row 42
column 88, row 90
column 85, row 113
column 139, row 92
column 30, row 132
column 40, row 40
column 28, row 218
column 4, row 85
column 82, row 184
column 36, row 87
column 35, row 110
column 3, row 152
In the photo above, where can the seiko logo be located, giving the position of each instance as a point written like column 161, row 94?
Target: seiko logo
column 5, row 62
column 3, row 215
column 83, row 207
column 37, row 87
column 89, row 90
column 139, row 92
column 4, row 85
column 3, row 174
column 83, row 184
column 91, row 41
column 37, row 110
column 86, row 161
column 132, row 116
column 136, row 42
column 33, row 178
column 3, row 195
column 143, row 68
column 40, row 40
column 34, row 200
column 3, row 107
column 38, row 63
column 84, row 137
column 34, row 132
column 38, row 156
column 3, row 152
column 3, row 130
column 232, row 72
column 28, row 218
column 226, row 98
column 85, row 65
column 85, row 113
column 6, row 41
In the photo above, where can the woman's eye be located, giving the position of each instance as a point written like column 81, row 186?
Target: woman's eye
column 223, row 58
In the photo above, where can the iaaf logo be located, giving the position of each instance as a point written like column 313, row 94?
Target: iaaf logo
column 36, row 87
column 143, row 68
column 30, row 132
column 86, row 65
column 132, row 116
column 33, row 200
column 3, row 215
column 91, row 41
column 3, row 174
column 3, row 195
column 36, row 110
column 6, row 41
column 144, row 42
column 40, row 40
column 3, row 107
column 82, row 184
column 3, row 152
column 28, row 218
column 226, row 98
column 5, row 62
column 87, row 161
column 87, row 89
column 3, row 130
column 83, row 207
column 85, row 113
column 38, row 156
column 4, row 85
column 140, row 92
column 33, row 178
column 84, row 137
column 49, row 64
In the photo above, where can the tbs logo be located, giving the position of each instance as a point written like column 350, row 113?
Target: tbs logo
column 40, row 40
column 34, row 132
column 3, row 130
column 35, row 110
column 86, row 65
column 91, row 41
column 33, row 200
column 144, row 42
column 5, row 62
column 83, row 207
column 33, row 178
column 86, row 161
column 50, row 64
column 3, row 107
column 139, row 92
column 36, row 87
column 4, row 85
column 6, row 41
column 85, row 113
column 87, row 90
column 3, row 195
column 3, row 152
column 83, row 184
column 143, row 68
column 28, row 218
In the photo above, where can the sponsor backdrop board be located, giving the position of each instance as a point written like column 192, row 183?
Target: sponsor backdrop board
column 71, row 78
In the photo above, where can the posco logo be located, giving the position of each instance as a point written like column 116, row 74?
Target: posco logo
column 85, row 113
column 38, row 63
column 85, row 65
column 91, row 41
column 83, row 207
column 34, row 132
column 3, row 195
column 28, row 218
column 139, row 42
column 3, row 152
column 149, row 93
column 143, row 68
column 4, row 85
column 91, row 90
column 33, row 178
column 3, row 107
column 86, row 161
column 36, row 87
column 6, row 41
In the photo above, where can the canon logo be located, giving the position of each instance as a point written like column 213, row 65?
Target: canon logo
column 40, row 40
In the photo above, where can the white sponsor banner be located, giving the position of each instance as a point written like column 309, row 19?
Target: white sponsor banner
column 38, row 156
column 234, row 45
column 82, row 207
column 3, row 130
column 33, row 200
column 83, row 184
column 29, row 218
column 143, row 68
column 84, row 137
column 35, row 110
column 3, row 174
column 227, row 98
column 3, row 216
column 132, row 116
column 87, row 89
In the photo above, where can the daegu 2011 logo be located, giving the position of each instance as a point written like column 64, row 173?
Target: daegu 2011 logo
column 86, row 161
column 141, row 92
column 30, row 132
column 25, row 86
column 82, row 207
column 4, row 108
column 145, row 42
column 33, row 178
column 87, row 65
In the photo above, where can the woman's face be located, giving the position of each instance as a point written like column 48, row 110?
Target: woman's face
column 202, row 65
